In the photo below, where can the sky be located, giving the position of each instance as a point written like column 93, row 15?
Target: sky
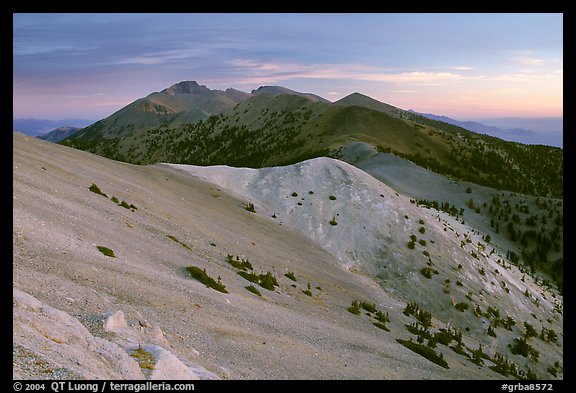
column 465, row 66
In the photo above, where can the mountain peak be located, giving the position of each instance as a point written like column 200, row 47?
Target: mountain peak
column 185, row 87
column 283, row 90
column 273, row 90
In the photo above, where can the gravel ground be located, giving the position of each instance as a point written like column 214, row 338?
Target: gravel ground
column 181, row 220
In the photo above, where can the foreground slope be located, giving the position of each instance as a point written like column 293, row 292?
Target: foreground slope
column 143, row 297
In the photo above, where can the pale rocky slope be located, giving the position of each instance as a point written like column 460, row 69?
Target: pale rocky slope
column 71, row 300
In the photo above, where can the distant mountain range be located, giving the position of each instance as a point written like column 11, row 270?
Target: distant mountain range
column 551, row 136
column 36, row 127
column 58, row 134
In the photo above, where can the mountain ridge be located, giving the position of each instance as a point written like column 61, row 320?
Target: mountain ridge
column 286, row 127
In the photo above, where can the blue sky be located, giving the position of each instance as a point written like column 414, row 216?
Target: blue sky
column 466, row 66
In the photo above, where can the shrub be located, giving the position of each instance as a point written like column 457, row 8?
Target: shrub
column 307, row 292
column 478, row 355
column 250, row 207
column 428, row 271
column 422, row 230
column 462, row 306
column 459, row 349
column 503, row 366
column 106, row 251
column 381, row 317
column 424, row 317
column 491, row 332
column 291, row 276
column 332, row 197
column 204, row 278
column 370, row 307
column 521, row 347
column 554, row 369
column 381, row 326
column 252, row 289
column 252, row 277
column 444, row 337
column 411, row 308
column 243, row 264
column 268, row 281
column 530, row 331
column 333, row 221
column 114, row 199
column 173, row 238
column 422, row 242
column 419, row 331
column 425, row 351
column 294, row 194
column 95, row 189
column 411, row 245
column 354, row 307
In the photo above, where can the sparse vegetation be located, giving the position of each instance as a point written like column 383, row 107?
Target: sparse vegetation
column 370, row 307
column 554, row 369
column 106, row 251
column 333, row 221
column 174, row 238
column 291, row 276
column 521, row 347
column 95, row 189
column 354, row 307
column 242, row 264
column 144, row 358
column 428, row 272
column 201, row 275
column 425, row 351
column 266, row 281
column 250, row 207
column 252, row 289
column 332, row 197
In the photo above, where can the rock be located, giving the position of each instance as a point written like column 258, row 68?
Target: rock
column 115, row 322
column 158, row 336
column 61, row 343
column 144, row 324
